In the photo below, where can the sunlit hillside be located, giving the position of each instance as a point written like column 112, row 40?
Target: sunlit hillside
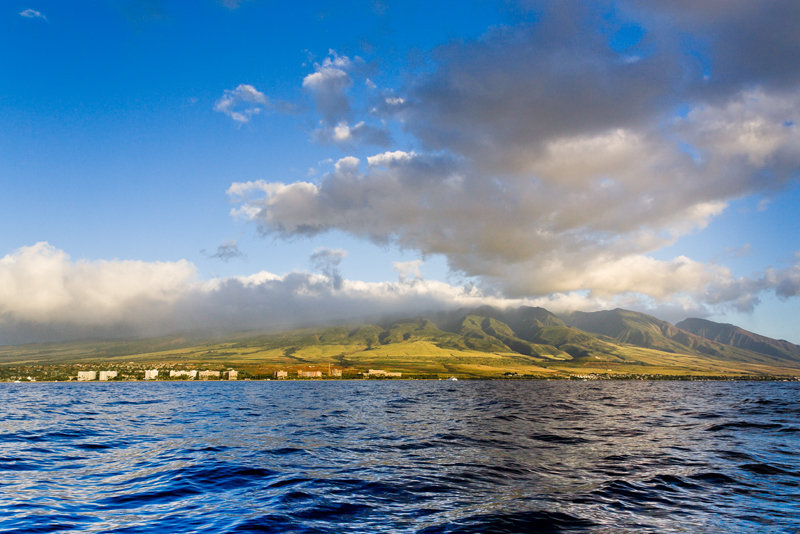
column 478, row 343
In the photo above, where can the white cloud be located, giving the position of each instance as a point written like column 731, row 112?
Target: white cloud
column 408, row 269
column 46, row 295
column 347, row 164
column 345, row 135
column 341, row 132
column 242, row 103
column 545, row 162
column 41, row 284
column 326, row 78
column 31, row 14
column 328, row 84
column 750, row 128
column 388, row 159
column 786, row 282
column 590, row 231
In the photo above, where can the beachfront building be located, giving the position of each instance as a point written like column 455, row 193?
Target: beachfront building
column 84, row 376
column 107, row 375
column 151, row 374
column 232, row 375
column 309, row 374
column 381, row 372
column 205, row 375
column 336, row 373
column 179, row 374
column 280, row 374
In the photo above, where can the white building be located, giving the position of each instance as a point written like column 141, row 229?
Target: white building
column 151, row 374
column 191, row 374
column 280, row 374
column 232, row 374
column 309, row 374
column 381, row 372
column 107, row 375
column 84, row 376
column 205, row 375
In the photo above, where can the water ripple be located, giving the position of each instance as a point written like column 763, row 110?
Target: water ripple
column 400, row 456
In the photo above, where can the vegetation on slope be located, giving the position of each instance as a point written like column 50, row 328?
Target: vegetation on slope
column 728, row 334
column 480, row 342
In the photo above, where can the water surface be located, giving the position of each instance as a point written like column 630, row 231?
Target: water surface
column 400, row 456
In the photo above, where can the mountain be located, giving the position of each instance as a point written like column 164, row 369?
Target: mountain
column 596, row 335
column 478, row 342
column 733, row 336
column 525, row 321
column 632, row 327
column 642, row 330
column 500, row 336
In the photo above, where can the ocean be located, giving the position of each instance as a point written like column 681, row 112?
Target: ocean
column 400, row 456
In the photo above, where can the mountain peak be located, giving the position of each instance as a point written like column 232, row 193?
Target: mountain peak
column 734, row 336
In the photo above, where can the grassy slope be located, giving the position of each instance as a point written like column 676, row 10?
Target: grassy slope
column 733, row 336
column 465, row 343
column 642, row 330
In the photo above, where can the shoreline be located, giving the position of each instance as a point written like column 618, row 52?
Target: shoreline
column 665, row 378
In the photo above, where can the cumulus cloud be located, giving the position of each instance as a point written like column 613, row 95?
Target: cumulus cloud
column 598, row 205
column 328, row 85
column 787, row 282
column 40, row 284
column 745, row 41
column 345, row 135
column 244, row 102
column 31, row 14
column 45, row 295
column 549, row 161
column 508, row 95
column 389, row 159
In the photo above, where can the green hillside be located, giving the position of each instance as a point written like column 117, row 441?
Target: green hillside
column 634, row 328
column 480, row 342
column 728, row 334
column 642, row 330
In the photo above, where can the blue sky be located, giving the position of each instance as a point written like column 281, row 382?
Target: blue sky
column 169, row 165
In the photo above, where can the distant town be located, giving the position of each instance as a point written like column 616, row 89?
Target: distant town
column 116, row 372
column 166, row 372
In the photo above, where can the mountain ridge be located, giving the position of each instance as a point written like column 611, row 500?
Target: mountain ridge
column 481, row 341
column 732, row 335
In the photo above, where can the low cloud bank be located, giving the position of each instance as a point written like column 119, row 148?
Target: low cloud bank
column 46, row 296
